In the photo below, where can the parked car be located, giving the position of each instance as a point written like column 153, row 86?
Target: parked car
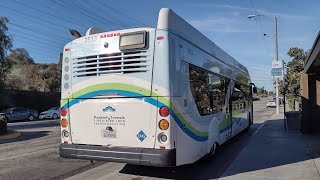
column 52, row 113
column 18, row 114
column 271, row 103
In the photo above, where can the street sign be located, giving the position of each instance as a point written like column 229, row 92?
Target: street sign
column 276, row 64
column 276, row 72
column 277, row 68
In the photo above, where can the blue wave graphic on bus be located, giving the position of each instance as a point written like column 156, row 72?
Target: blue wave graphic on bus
column 151, row 101
column 109, row 109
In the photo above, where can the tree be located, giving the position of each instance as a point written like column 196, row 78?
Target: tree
column 294, row 70
column 27, row 75
column 53, row 84
column 5, row 45
column 20, row 56
column 261, row 91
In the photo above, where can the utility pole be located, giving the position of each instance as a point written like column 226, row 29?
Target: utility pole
column 277, row 59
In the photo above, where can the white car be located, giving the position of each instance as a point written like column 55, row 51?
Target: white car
column 52, row 113
column 271, row 103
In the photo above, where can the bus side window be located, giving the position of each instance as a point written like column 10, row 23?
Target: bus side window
column 208, row 90
column 240, row 97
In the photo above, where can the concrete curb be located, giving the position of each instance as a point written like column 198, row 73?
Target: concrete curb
column 10, row 135
column 315, row 156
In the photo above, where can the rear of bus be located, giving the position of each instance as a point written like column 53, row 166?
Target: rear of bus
column 110, row 108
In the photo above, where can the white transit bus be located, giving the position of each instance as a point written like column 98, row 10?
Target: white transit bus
column 163, row 96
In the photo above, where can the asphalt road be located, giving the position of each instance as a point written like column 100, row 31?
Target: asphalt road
column 35, row 155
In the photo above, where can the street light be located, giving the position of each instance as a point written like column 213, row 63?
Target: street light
column 276, row 52
column 254, row 16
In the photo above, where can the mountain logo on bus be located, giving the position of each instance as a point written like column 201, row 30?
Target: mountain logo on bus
column 141, row 135
column 109, row 109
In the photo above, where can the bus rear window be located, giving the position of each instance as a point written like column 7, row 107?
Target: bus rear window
column 134, row 40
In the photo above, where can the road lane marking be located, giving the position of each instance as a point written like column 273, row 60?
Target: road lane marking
column 21, row 155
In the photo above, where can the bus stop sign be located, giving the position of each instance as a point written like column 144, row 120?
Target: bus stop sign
column 277, row 68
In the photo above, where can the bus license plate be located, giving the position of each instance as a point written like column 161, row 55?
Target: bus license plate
column 109, row 134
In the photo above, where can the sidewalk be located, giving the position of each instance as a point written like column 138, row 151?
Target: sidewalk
column 273, row 153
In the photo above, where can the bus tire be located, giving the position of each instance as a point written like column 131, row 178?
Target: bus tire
column 211, row 155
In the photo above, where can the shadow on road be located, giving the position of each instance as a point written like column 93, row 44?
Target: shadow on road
column 274, row 150
column 26, row 136
column 200, row 169
column 38, row 124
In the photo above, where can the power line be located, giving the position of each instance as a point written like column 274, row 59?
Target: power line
column 30, row 46
column 261, row 29
column 75, row 13
column 51, row 56
column 108, row 14
column 119, row 19
column 48, row 13
column 45, row 43
column 90, row 14
column 121, row 13
column 36, row 17
column 29, row 19
column 122, row 25
column 39, row 32
column 32, row 36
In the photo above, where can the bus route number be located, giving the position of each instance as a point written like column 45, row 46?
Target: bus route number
column 90, row 39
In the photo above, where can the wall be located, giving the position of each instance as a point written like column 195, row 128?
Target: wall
column 310, row 95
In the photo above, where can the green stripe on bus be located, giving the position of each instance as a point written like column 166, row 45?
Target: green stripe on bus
column 136, row 89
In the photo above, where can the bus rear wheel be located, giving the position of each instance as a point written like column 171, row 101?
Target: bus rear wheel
column 211, row 155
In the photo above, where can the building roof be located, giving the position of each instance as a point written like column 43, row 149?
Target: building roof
column 313, row 63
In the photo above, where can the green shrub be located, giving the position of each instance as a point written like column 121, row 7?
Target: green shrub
column 3, row 125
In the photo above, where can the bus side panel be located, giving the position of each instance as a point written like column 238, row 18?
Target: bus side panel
column 192, row 138
column 161, row 76
column 188, row 149
column 66, row 80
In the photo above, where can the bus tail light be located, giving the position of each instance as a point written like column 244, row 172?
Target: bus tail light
column 65, row 133
column 163, row 137
column 160, row 38
column 64, row 123
column 63, row 112
column 164, row 111
column 163, row 124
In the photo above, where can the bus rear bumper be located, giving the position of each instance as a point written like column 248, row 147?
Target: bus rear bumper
column 140, row 156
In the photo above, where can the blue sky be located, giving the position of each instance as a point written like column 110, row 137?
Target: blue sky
column 42, row 26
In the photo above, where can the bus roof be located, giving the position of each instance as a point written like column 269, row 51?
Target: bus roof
column 170, row 21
